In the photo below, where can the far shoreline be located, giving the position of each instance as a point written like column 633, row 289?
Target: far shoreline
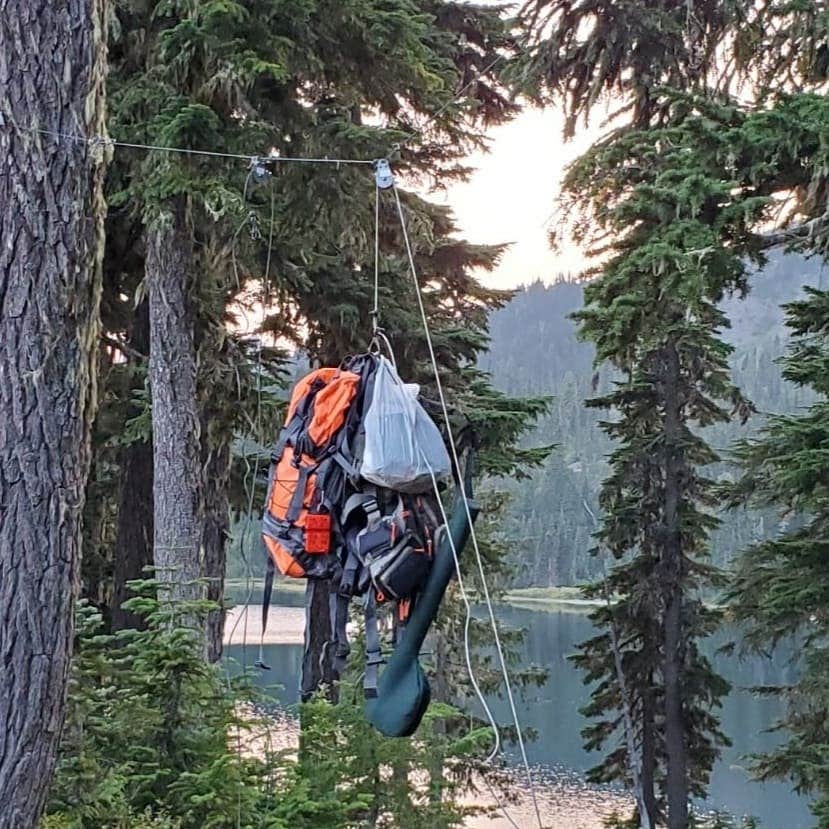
column 549, row 599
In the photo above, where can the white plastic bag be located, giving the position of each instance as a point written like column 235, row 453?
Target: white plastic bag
column 403, row 446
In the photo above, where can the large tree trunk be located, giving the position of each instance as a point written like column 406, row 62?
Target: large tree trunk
column 677, row 774
column 134, row 534
column 177, row 473
column 52, row 65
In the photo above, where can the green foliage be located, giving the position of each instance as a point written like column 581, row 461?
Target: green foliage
column 158, row 739
column 781, row 586
column 299, row 79
column 581, row 54
column 413, row 782
column 677, row 231
column 674, row 204
column 151, row 738
column 535, row 349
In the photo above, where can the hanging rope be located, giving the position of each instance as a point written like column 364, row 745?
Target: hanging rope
column 252, row 474
column 465, row 500
column 375, row 311
column 467, row 650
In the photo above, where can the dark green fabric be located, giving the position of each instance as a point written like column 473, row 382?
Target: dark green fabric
column 403, row 690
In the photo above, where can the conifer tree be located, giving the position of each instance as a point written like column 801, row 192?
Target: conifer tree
column 307, row 235
column 237, row 76
column 781, row 586
column 653, row 315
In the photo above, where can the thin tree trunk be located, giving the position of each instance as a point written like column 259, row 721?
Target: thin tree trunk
column 642, row 766
column 316, row 663
column 52, row 67
column 134, row 535
column 677, row 777
column 635, row 762
column 440, row 693
column 177, row 473
column 648, row 774
column 216, row 529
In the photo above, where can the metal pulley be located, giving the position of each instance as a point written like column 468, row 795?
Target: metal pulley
column 383, row 174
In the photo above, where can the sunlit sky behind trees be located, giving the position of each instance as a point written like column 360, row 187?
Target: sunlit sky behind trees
column 511, row 197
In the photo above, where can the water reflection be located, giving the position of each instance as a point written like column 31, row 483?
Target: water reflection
column 552, row 711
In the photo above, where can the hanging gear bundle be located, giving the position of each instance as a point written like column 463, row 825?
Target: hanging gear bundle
column 304, row 524
column 325, row 522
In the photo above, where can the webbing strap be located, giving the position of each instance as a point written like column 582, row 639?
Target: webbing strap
column 270, row 570
column 307, row 684
column 266, row 606
column 351, row 470
column 298, row 497
column 338, row 607
column 374, row 656
column 348, row 582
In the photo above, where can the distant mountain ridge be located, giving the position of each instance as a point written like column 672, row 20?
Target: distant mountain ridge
column 535, row 350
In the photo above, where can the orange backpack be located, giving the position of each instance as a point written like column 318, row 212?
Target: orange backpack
column 310, row 467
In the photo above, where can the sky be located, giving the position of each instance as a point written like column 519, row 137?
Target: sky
column 511, row 197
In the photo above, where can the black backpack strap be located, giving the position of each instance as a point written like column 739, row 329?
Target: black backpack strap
column 342, row 457
column 307, row 682
column 374, row 655
column 266, row 606
column 348, row 583
column 338, row 604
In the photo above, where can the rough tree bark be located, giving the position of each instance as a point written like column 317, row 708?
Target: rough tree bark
column 52, row 66
column 440, row 693
column 216, row 465
column 316, row 668
column 648, row 777
column 134, row 534
column 177, row 474
column 676, row 783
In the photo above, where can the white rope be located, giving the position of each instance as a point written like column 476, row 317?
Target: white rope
column 473, row 536
column 376, row 309
column 250, row 480
column 102, row 140
column 466, row 640
column 249, row 483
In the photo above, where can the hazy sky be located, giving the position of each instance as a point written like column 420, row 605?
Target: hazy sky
column 512, row 194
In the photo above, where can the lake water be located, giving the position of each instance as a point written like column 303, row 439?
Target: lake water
column 552, row 711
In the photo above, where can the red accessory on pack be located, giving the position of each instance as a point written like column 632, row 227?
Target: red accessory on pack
column 318, row 533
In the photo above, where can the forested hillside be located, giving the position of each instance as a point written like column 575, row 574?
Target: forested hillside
column 535, row 350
